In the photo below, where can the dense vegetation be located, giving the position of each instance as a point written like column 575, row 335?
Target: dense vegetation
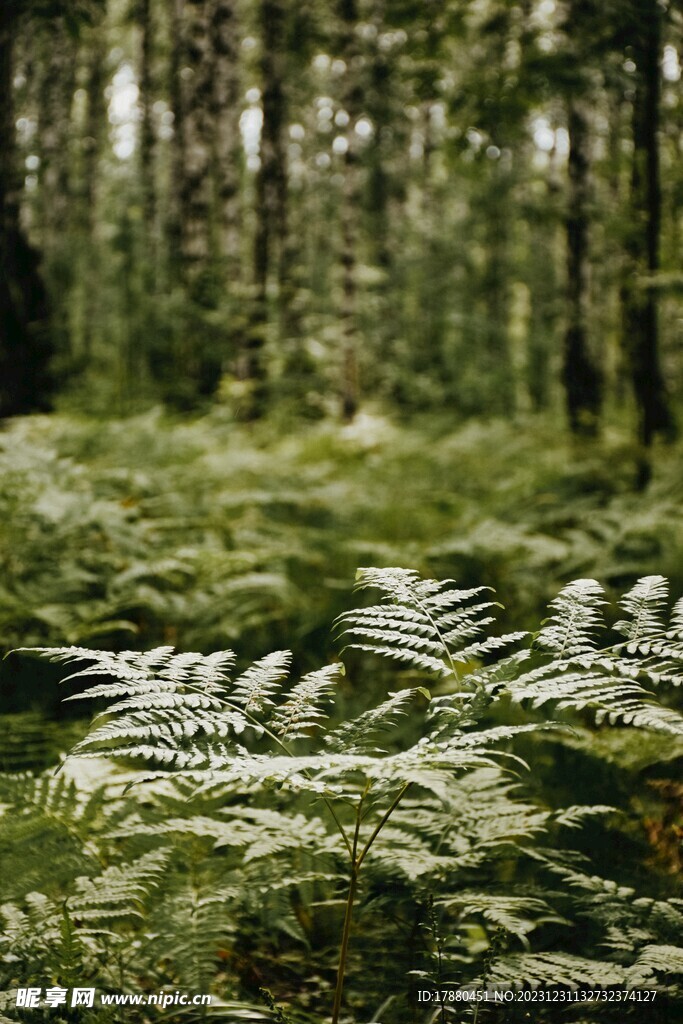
column 226, row 534
column 287, row 289
column 256, row 820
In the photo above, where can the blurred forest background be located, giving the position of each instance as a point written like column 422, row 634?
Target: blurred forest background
column 471, row 206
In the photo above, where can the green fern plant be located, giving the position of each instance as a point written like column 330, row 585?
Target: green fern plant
column 414, row 789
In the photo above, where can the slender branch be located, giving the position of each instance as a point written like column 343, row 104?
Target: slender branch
column 348, row 913
column 382, row 822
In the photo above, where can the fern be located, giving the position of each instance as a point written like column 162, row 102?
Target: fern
column 643, row 603
column 547, row 969
column 263, row 812
column 580, row 676
column 302, row 711
column 577, row 618
column 425, row 623
column 255, row 689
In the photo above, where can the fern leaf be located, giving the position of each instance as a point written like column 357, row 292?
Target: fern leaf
column 424, row 623
column 643, row 603
column 302, row 711
column 357, row 735
column 255, row 689
column 661, row 959
column 518, row 915
column 675, row 630
column 543, row 969
column 571, row 630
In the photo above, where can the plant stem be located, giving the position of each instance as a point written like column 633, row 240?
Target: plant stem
column 383, row 820
column 356, row 862
column 343, row 951
column 348, row 914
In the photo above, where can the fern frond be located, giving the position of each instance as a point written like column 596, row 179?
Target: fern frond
column 675, row 630
column 357, row 735
column 255, row 688
column 191, row 929
column 118, row 892
column 543, row 969
column 302, row 711
column 427, row 624
column 661, row 959
column 576, row 618
column 259, row 832
column 46, row 833
column 643, row 603
column 613, row 695
column 147, row 672
column 518, row 915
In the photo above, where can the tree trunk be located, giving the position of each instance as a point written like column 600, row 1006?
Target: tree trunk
column 227, row 142
column 9, row 176
column 174, row 221
column 271, row 197
column 499, row 380
column 196, row 189
column 351, row 100
column 542, row 283
column 91, row 145
column 582, row 380
column 147, row 137
column 26, row 383
column 57, row 83
column 642, row 246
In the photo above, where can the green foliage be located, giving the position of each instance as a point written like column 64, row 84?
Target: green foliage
column 146, row 531
column 251, row 810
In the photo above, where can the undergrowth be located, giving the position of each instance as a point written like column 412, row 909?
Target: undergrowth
column 201, row 533
column 238, row 832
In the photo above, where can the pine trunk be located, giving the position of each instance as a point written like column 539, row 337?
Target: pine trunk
column 196, row 190
column 641, row 335
column 57, row 83
column 582, row 380
column 25, row 343
column 227, row 142
column 351, row 100
column 500, row 383
column 91, row 148
column 271, row 196
column 174, row 217
column 147, row 135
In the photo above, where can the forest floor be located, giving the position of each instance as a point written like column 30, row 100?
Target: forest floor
column 201, row 533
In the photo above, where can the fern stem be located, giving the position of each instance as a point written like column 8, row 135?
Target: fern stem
column 343, row 952
column 348, row 914
column 440, row 636
column 382, row 822
column 356, row 862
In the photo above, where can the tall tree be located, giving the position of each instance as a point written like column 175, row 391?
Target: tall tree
column 641, row 329
column 227, row 155
column 271, row 197
column 351, row 99
column 194, row 224
column 197, row 127
column 582, row 379
column 94, row 134
column 147, row 134
column 26, row 348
